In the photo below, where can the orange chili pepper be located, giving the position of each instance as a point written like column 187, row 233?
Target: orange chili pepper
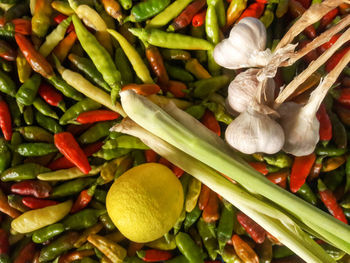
column 210, row 122
column 22, row 26
column 203, row 197
column 6, row 208
column 198, row 19
column 279, row 178
column 155, row 60
column 62, row 49
column 211, row 211
column 176, row 88
column 254, row 10
column 96, row 116
column 113, row 8
column 243, row 250
column 143, row 89
column 177, row 171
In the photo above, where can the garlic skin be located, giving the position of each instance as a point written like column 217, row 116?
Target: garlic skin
column 245, row 47
column 301, row 128
column 245, row 88
column 253, row 132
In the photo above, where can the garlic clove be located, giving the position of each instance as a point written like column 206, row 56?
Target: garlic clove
column 253, row 132
column 301, row 128
column 245, row 46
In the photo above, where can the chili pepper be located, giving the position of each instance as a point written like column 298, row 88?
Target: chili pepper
column 229, row 255
column 6, row 208
column 144, row 10
column 16, row 158
column 109, row 248
column 47, row 123
column 139, row 157
column 5, row 245
column 210, row 122
column 225, row 227
column 208, row 237
column 234, row 11
column 268, row 16
column 133, row 248
column 96, row 132
column 330, row 43
column 253, row 10
column 157, row 65
column 81, row 106
column 192, row 217
column 65, row 88
column 334, row 178
column 14, row 110
column 97, row 116
column 178, row 73
column 163, row 39
column 6, row 66
column 25, row 171
column 188, row 248
column 260, row 167
column 325, row 130
column 34, row 58
column 280, row 160
column 51, row 96
column 199, row 18
column 98, row 54
column 177, row 88
column 15, row 201
column 330, row 202
column 76, row 255
column 111, row 154
column 62, row 49
column 43, row 108
column 243, row 250
column 107, row 222
column 186, row 16
column 27, row 92
column 5, row 120
column 34, row 133
column 27, row 222
column 58, row 247
column 28, row 115
column 301, row 168
column 17, row 10
column 211, row 210
column 82, row 219
column 253, row 229
column 71, row 187
column 91, row 230
column 35, row 203
column 7, row 85
column 279, row 178
column 175, row 54
column 307, row 194
column 143, row 89
column 35, row 149
column 339, row 132
column 41, row 17
column 62, row 7
column 6, row 51
column 328, row 18
column 204, row 87
column 5, row 155
column 333, row 163
column 204, row 197
column 123, row 65
column 192, row 195
column 281, row 252
column 335, row 58
column 23, row 68
column 113, row 8
column 83, row 199
column 35, row 188
column 297, row 10
column 153, row 255
column 194, row 67
column 341, row 95
column 26, row 254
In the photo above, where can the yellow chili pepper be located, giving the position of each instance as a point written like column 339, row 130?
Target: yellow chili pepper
column 36, row 219
column 234, row 11
column 194, row 67
column 110, row 249
column 41, row 19
column 62, row 7
column 84, row 236
column 108, row 170
column 115, row 237
column 24, row 70
column 194, row 189
column 67, row 174
column 333, row 163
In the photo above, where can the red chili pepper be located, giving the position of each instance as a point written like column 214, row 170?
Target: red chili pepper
column 78, row 129
column 300, row 170
column 157, row 65
column 151, row 156
column 96, row 116
column 36, row 188
column 69, row 147
column 185, row 18
column 82, row 201
column 279, row 178
column 75, row 256
column 330, row 43
column 22, row 26
column 342, row 96
column 64, row 163
column 6, row 51
column 254, row 10
column 334, row 60
column 26, row 254
column 296, row 9
column 59, row 18
column 177, row 171
column 305, row 3
column 243, row 250
column 154, row 255
column 50, row 95
column 36, row 203
column 177, row 88
column 257, row 233
column 210, row 122
column 199, row 19
column 4, row 242
column 328, row 18
column 325, row 123
column 330, row 202
column 203, row 197
column 211, row 210
column 260, row 167
column 5, row 120
column 165, row 162
column 37, row 61
column 312, row 55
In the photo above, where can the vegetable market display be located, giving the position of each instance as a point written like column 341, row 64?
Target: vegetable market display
column 90, row 90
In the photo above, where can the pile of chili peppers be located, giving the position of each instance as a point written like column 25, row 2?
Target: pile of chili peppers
column 58, row 157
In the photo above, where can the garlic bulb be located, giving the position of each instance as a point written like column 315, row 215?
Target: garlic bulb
column 245, row 46
column 245, row 88
column 253, row 132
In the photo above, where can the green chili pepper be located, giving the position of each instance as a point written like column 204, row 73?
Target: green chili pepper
column 330, row 151
column 163, row 39
column 265, row 251
column 197, row 111
column 83, row 219
column 43, row 108
column 268, row 16
column 98, row 54
column 126, row 4
column 175, row 54
column 192, row 217
column 16, row 140
column 44, row 234
column 178, row 259
column 68, row 174
column 6, row 65
column 307, row 194
column 18, row 10
column 208, row 237
column 14, row 109
column 237, row 227
column 178, row 73
column 139, row 157
column 282, row 8
column 111, row 154
column 211, row 24
column 339, row 132
column 87, row 67
column 334, row 178
column 225, row 227
column 5, row 155
column 219, row 112
column 100, row 195
column 123, row 166
column 188, row 248
column 204, row 87
column 47, row 123
column 21, row 172
column 123, row 65
column 107, row 222
column 28, row 115
column 199, row 32
column 125, row 141
column 36, row 149
column 71, row 187
column 15, row 201
column 66, row 89
column 96, row 132
column 73, row 112
column 34, row 133
column 58, row 247
column 281, row 252
column 280, row 160
column 7, row 85
column 180, row 220
column 144, row 10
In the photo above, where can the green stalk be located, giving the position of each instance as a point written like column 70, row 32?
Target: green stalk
column 192, row 138
column 270, row 218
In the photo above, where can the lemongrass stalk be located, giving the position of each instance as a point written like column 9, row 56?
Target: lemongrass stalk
column 270, row 218
column 171, row 129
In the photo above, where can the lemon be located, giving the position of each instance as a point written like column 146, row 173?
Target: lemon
column 145, row 202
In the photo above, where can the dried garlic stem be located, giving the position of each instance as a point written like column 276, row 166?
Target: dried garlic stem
column 314, row 65
column 318, row 41
column 312, row 15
